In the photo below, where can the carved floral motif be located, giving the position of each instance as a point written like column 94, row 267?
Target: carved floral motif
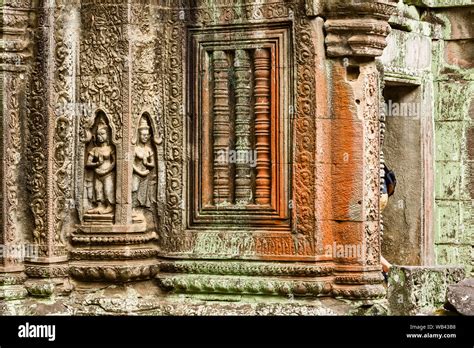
column 103, row 59
column 37, row 142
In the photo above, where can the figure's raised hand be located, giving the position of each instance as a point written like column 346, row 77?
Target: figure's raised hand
column 150, row 161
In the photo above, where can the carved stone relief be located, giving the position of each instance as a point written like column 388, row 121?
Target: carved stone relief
column 100, row 169
column 144, row 170
column 291, row 211
column 118, row 159
column 195, row 140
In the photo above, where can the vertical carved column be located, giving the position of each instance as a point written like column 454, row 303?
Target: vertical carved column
column 10, row 160
column 62, row 126
column 243, row 176
column 14, row 54
column 173, row 49
column 263, row 125
column 125, row 161
column 51, row 120
column 352, row 45
column 221, row 128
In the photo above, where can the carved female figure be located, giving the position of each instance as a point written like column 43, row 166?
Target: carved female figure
column 101, row 159
column 143, row 164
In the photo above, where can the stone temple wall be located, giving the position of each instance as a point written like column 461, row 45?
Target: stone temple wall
column 428, row 69
column 161, row 150
column 454, row 138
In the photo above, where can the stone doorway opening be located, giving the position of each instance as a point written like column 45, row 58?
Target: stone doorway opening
column 407, row 219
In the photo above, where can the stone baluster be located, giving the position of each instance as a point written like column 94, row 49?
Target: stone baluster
column 221, row 128
column 243, row 179
column 263, row 125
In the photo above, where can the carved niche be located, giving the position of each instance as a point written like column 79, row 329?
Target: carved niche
column 101, row 245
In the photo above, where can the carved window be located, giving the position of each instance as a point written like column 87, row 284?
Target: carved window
column 240, row 127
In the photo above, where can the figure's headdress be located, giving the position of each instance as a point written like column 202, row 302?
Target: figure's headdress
column 102, row 125
column 143, row 124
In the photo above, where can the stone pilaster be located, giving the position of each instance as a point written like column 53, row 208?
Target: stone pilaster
column 355, row 36
column 49, row 145
column 14, row 55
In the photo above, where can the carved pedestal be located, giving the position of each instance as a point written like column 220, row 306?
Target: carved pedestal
column 113, row 253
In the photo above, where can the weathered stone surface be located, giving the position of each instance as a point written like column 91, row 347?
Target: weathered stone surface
column 439, row 71
column 453, row 129
column 12, row 292
column 240, row 141
column 459, row 22
column 48, row 287
column 439, row 3
column 420, row 289
column 361, row 34
column 411, row 50
column 404, row 215
column 143, row 298
column 460, row 53
column 137, row 145
column 461, row 296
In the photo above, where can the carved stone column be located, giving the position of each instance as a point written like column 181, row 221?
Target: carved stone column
column 50, row 143
column 355, row 36
column 14, row 55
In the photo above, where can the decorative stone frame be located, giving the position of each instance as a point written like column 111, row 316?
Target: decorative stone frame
column 201, row 44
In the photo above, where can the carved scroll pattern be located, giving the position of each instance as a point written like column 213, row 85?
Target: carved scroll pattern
column 174, row 130
column 147, row 67
column 64, row 123
column 304, row 157
column 14, row 56
column 223, row 13
column 103, row 52
column 11, row 160
column 37, row 125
